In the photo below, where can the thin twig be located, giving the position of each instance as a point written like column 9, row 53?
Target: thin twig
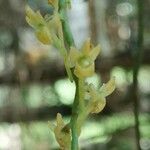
column 137, row 63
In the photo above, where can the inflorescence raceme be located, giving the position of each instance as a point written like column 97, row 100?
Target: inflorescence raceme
column 79, row 65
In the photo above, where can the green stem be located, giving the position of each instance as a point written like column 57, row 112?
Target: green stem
column 78, row 103
column 76, row 112
column 60, row 45
column 65, row 25
column 74, row 117
column 70, row 42
column 81, row 94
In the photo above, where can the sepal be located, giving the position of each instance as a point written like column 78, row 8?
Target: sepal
column 62, row 133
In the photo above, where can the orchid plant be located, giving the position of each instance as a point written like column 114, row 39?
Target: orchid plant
column 80, row 64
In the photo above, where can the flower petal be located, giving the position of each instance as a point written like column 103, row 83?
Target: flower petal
column 94, row 52
column 98, row 106
column 51, row 126
column 62, row 133
column 109, row 87
column 86, row 48
column 82, row 72
column 93, row 92
column 74, row 54
column 59, row 120
column 34, row 19
column 97, row 101
column 44, row 36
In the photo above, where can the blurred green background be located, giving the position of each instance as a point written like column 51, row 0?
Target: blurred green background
column 34, row 86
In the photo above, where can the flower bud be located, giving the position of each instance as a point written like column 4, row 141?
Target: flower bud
column 44, row 36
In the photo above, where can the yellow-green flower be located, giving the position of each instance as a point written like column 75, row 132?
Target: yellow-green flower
column 83, row 60
column 97, row 100
column 62, row 133
column 47, row 29
column 36, row 21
